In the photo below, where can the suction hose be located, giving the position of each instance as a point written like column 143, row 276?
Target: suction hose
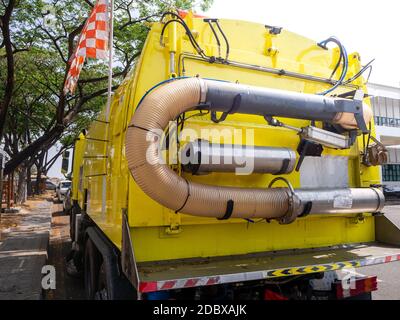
column 163, row 185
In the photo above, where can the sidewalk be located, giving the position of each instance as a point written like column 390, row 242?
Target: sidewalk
column 24, row 239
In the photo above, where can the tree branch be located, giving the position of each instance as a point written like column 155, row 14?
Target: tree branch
column 131, row 22
column 54, row 40
column 32, row 119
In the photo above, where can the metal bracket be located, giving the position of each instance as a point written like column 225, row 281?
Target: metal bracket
column 273, row 29
column 378, row 214
column 359, row 219
column 128, row 261
column 354, row 106
column 350, row 95
column 307, row 148
column 359, row 116
column 235, row 106
column 173, row 230
column 271, row 49
column 294, row 202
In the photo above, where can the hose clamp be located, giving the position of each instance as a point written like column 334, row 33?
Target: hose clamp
column 203, row 91
column 294, row 202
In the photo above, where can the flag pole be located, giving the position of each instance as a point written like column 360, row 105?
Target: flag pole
column 110, row 62
column 109, row 96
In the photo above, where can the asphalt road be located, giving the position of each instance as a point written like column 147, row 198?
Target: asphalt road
column 67, row 287
column 388, row 280
column 71, row 288
column 388, row 273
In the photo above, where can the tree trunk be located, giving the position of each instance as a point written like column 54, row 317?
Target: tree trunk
column 38, row 180
column 29, row 181
column 21, row 187
column 9, row 86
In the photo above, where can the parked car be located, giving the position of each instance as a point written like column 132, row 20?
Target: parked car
column 67, row 205
column 391, row 192
column 62, row 189
column 50, row 185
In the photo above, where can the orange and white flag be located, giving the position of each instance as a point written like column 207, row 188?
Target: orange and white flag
column 93, row 43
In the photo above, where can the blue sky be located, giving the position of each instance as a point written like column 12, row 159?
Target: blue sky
column 371, row 28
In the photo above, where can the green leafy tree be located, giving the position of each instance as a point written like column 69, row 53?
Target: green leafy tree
column 44, row 35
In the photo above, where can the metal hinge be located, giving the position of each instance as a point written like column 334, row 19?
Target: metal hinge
column 173, row 229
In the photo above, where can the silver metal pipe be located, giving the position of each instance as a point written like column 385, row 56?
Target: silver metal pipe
column 279, row 72
column 172, row 62
column 272, row 102
column 231, row 98
column 201, row 157
column 341, row 201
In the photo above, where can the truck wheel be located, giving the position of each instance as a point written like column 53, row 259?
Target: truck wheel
column 102, row 292
column 103, row 279
column 72, row 224
column 71, row 227
column 113, row 287
column 92, row 261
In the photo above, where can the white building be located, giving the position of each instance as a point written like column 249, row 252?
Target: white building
column 386, row 104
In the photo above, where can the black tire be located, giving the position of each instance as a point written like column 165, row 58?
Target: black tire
column 102, row 292
column 103, row 280
column 92, row 263
column 112, row 286
column 72, row 224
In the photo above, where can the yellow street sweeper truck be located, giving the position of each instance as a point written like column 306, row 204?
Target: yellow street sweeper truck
column 237, row 161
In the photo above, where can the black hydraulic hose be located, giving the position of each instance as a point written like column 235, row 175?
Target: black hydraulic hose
column 225, row 38
column 337, row 65
column 191, row 38
column 359, row 73
column 216, row 37
column 172, row 14
column 343, row 54
column 185, row 26
column 369, row 74
column 188, row 32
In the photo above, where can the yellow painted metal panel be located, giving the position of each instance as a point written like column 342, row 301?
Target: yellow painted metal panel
column 220, row 239
column 77, row 168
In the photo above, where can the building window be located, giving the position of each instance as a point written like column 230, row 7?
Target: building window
column 391, row 172
column 388, row 122
column 386, row 111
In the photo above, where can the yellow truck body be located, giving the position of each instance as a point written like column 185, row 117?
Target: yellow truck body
column 160, row 234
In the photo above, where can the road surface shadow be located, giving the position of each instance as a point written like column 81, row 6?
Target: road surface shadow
column 67, row 288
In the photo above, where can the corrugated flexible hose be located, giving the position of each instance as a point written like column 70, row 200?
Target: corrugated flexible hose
column 169, row 189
